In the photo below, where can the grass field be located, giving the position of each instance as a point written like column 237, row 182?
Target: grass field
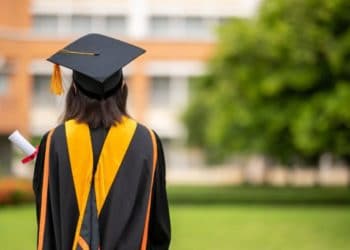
column 202, row 195
column 221, row 227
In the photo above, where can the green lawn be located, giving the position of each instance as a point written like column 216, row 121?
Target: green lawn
column 228, row 195
column 221, row 227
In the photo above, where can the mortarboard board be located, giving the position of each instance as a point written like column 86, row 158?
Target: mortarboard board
column 96, row 61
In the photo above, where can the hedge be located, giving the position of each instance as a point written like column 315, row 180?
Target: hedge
column 15, row 191
column 259, row 195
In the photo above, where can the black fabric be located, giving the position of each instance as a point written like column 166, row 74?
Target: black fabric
column 159, row 226
column 98, row 136
column 95, row 89
column 97, row 61
column 90, row 228
column 96, row 56
column 121, row 221
column 133, row 178
column 62, row 208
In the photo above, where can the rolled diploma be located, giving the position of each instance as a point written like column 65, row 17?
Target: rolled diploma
column 22, row 143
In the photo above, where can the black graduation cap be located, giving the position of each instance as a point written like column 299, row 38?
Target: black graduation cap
column 96, row 61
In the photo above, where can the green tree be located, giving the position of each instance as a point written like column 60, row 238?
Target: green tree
column 278, row 85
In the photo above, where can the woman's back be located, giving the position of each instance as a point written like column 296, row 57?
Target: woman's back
column 99, row 177
column 111, row 208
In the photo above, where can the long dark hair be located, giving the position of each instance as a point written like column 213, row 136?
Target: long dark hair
column 96, row 113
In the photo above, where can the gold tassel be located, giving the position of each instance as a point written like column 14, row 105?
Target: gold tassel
column 56, row 80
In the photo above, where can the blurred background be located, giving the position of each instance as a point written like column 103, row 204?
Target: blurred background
column 250, row 97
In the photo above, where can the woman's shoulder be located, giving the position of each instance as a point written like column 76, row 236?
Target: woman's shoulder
column 146, row 130
column 53, row 132
column 142, row 132
column 148, row 134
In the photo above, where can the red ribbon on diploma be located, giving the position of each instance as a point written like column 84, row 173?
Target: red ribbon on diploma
column 30, row 157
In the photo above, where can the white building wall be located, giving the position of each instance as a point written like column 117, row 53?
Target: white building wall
column 182, row 20
column 138, row 15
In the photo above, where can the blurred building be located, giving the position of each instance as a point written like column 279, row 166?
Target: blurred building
column 179, row 36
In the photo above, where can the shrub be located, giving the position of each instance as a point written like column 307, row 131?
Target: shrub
column 15, row 191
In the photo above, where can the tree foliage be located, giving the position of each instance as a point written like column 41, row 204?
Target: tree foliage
column 278, row 85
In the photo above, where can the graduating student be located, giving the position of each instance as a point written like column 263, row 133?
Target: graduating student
column 99, row 177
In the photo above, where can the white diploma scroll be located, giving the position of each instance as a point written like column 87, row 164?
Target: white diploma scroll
column 22, row 143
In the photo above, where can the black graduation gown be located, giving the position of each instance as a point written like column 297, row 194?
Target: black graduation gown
column 118, row 220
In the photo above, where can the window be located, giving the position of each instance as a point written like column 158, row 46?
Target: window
column 182, row 27
column 41, row 91
column 81, row 24
column 160, row 91
column 224, row 20
column 198, row 27
column 160, row 26
column 116, row 24
column 3, row 83
column 194, row 24
column 45, row 24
